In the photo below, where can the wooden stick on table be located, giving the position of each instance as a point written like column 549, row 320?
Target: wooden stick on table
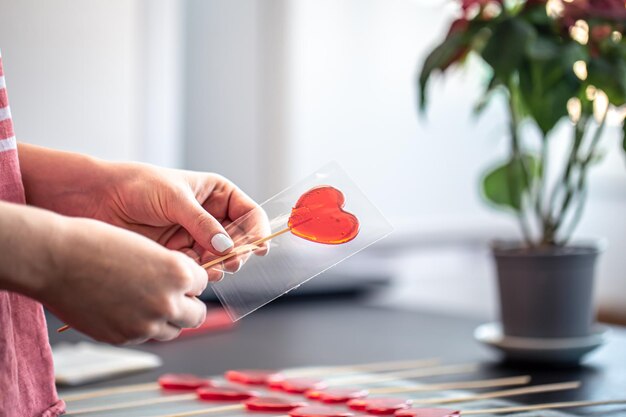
column 191, row 396
column 535, row 389
column 327, row 371
column 546, row 406
column 496, row 394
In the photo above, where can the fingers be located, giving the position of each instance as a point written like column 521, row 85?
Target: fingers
column 167, row 332
column 204, row 228
column 191, row 312
column 196, row 280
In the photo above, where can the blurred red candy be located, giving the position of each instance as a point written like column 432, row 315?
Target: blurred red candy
column 385, row 406
column 183, row 382
column 297, row 385
column 251, row 376
column 272, row 404
column 319, row 411
column 227, row 393
column 336, row 395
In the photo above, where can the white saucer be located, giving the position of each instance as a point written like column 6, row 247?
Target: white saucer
column 565, row 351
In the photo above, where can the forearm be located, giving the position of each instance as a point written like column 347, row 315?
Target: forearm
column 30, row 245
column 63, row 182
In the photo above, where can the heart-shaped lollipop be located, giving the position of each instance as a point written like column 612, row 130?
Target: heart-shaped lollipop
column 183, row 382
column 318, row 216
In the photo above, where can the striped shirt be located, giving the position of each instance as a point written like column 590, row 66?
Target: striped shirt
column 26, row 374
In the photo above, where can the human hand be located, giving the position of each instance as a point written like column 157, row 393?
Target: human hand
column 201, row 214
column 181, row 210
column 119, row 287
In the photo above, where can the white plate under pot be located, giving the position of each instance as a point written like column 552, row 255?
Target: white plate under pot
column 555, row 351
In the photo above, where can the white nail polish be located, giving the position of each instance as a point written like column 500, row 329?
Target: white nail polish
column 221, row 242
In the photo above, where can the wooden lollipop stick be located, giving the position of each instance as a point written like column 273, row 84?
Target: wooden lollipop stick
column 123, row 389
column 328, row 371
column 411, row 373
column 364, row 367
column 547, row 406
column 206, row 411
column 482, row 383
column 245, row 248
column 134, row 404
column 535, row 389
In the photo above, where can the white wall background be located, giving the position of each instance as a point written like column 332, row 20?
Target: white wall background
column 267, row 91
column 72, row 69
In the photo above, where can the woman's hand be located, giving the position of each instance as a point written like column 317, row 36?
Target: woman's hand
column 181, row 210
column 114, row 285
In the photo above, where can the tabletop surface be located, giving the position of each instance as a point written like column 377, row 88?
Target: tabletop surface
column 342, row 331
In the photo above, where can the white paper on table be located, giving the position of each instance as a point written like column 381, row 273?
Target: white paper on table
column 76, row 364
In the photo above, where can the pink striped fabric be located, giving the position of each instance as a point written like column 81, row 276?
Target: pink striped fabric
column 26, row 374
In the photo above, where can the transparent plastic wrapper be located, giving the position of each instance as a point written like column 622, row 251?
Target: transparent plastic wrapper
column 288, row 260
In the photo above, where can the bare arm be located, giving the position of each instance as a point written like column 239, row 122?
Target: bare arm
column 112, row 284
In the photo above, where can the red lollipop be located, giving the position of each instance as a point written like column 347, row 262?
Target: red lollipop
column 319, row 411
column 225, row 394
column 297, row 385
column 272, row 404
column 379, row 406
column 386, row 406
column 428, row 412
column 251, row 376
column 183, row 382
column 318, row 216
column 336, row 395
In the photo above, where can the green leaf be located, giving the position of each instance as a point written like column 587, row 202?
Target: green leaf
column 542, row 48
column 480, row 106
column 506, row 46
column 505, row 185
column 439, row 59
column 460, row 40
column 547, row 84
column 609, row 77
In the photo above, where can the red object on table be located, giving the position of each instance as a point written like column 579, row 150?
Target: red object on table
column 428, row 412
column 296, row 385
column 216, row 319
column 319, row 411
column 225, row 393
column 252, row 376
column 183, row 382
column 318, row 216
column 272, row 404
column 336, row 395
column 385, row 406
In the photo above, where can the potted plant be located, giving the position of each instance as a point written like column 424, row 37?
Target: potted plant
column 551, row 60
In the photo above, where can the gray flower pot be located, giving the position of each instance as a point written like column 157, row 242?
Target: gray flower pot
column 546, row 293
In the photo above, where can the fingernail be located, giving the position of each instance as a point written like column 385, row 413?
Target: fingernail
column 239, row 266
column 221, row 276
column 221, row 242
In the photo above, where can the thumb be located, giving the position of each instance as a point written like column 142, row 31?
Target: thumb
column 203, row 227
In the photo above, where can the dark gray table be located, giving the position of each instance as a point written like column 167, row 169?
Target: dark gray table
column 332, row 331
